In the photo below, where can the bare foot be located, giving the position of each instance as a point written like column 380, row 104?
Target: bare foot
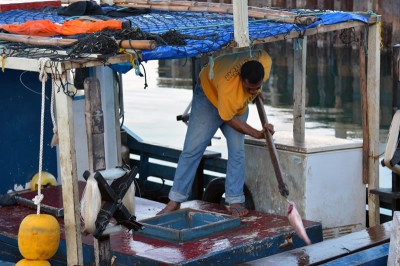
column 238, row 210
column 171, row 206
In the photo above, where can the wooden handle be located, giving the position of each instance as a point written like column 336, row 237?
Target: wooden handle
column 138, row 44
column 283, row 189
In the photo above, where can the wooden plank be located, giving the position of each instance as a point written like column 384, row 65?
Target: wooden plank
column 364, row 110
column 37, row 40
column 313, row 31
column 82, row 63
column 97, row 161
column 241, row 23
column 396, row 78
column 254, row 12
column 299, row 89
column 68, row 172
column 372, row 256
column 373, row 94
column 394, row 249
column 330, row 249
column 28, row 64
column 112, row 134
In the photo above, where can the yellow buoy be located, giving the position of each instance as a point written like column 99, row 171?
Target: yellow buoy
column 38, row 237
column 25, row 262
column 47, row 180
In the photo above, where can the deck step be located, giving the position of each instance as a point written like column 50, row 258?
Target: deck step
column 373, row 256
column 331, row 249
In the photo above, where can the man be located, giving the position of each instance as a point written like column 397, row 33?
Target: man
column 220, row 101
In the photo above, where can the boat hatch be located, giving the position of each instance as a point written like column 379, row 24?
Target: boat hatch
column 187, row 224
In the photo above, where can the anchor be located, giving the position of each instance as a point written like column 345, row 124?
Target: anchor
column 113, row 206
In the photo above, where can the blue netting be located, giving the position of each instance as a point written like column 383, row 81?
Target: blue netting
column 215, row 30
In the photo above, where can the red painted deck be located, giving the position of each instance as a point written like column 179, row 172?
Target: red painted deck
column 259, row 235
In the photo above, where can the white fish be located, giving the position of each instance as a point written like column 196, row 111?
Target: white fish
column 296, row 222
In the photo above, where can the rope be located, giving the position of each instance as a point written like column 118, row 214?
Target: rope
column 54, row 140
column 43, row 78
column 211, row 71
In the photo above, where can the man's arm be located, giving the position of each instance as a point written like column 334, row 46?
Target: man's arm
column 245, row 128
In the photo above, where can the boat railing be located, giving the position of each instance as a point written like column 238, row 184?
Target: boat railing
column 157, row 164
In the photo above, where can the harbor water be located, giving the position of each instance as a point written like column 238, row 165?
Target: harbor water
column 332, row 109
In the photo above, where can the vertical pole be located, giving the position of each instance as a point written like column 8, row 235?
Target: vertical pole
column 396, row 78
column 97, row 158
column 112, row 134
column 299, row 90
column 396, row 106
column 68, row 170
column 241, row 22
column 362, row 5
column 364, row 111
column 373, row 93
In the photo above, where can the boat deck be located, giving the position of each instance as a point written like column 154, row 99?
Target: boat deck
column 259, row 235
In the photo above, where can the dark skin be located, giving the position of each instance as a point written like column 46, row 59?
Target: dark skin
column 244, row 128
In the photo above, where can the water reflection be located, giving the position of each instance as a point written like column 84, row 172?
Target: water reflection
column 333, row 87
column 333, row 105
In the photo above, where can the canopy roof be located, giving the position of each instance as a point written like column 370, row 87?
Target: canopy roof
column 203, row 32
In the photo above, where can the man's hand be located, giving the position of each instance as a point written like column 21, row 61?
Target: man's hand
column 245, row 128
column 269, row 127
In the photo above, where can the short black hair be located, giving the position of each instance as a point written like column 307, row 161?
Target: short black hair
column 253, row 71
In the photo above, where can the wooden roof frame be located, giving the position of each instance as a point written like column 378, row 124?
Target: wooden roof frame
column 67, row 156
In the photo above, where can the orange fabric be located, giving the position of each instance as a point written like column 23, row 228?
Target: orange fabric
column 70, row 27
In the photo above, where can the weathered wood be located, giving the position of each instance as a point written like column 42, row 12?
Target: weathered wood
column 283, row 188
column 110, row 103
column 330, row 249
column 68, row 173
column 394, row 247
column 373, row 94
column 396, row 78
column 299, row 94
column 36, row 40
column 94, row 124
column 241, row 23
column 28, row 64
column 254, row 12
column 95, row 134
column 364, row 110
column 312, row 31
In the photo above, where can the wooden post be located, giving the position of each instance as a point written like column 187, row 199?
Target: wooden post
column 396, row 106
column 373, row 93
column 241, row 23
column 394, row 247
column 112, row 132
column 68, row 173
column 95, row 133
column 299, row 94
column 362, row 5
column 396, row 78
column 364, row 111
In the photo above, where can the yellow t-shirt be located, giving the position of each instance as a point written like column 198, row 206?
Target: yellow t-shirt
column 225, row 90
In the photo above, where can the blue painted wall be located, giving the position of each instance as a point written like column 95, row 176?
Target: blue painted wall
column 20, row 128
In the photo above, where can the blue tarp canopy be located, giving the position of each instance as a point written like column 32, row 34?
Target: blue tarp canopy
column 213, row 31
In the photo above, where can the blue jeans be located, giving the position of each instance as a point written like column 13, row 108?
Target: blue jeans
column 204, row 121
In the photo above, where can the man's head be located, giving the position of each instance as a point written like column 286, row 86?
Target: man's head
column 252, row 75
